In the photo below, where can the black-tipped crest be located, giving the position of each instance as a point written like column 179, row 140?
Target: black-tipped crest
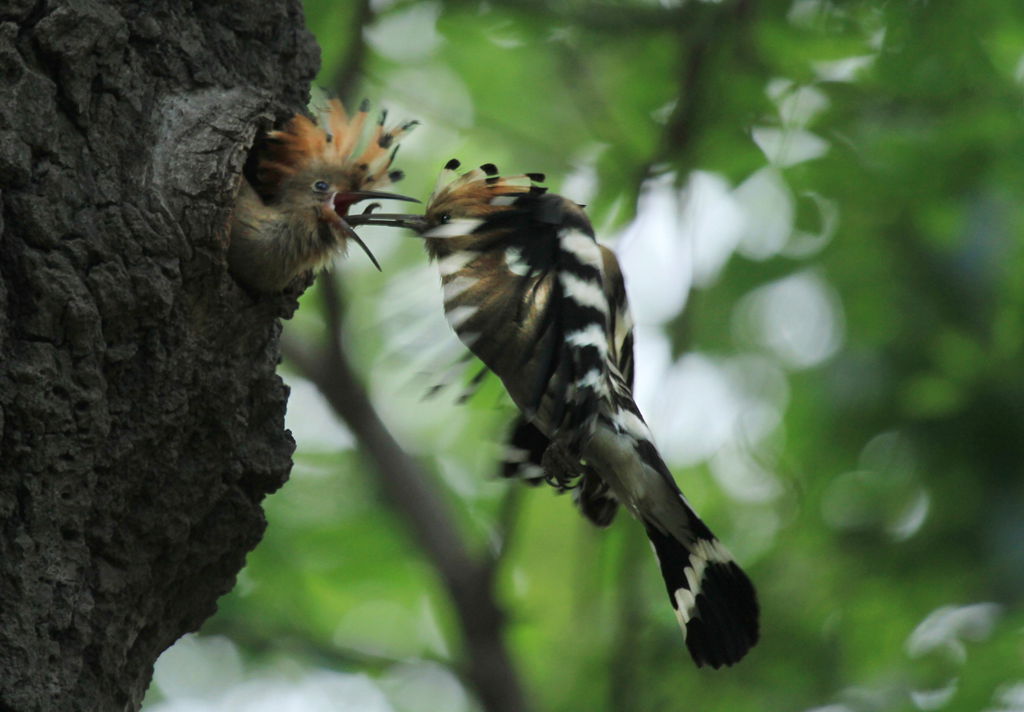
column 452, row 165
column 490, row 169
column 336, row 139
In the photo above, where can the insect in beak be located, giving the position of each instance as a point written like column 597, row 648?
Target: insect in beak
column 336, row 208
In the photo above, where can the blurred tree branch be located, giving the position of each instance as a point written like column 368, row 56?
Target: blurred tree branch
column 596, row 17
column 349, row 72
column 709, row 32
column 622, row 658
column 402, row 482
column 293, row 642
column 405, row 485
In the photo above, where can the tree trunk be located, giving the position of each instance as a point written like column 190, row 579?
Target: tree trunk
column 141, row 416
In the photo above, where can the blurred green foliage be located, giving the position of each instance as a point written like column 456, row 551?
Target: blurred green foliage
column 889, row 487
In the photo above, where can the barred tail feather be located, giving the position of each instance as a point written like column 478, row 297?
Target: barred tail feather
column 713, row 599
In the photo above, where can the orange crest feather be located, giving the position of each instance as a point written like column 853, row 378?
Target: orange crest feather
column 335, row 141
column 473, row 192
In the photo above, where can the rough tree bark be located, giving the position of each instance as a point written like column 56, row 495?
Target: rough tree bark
column 141, row 416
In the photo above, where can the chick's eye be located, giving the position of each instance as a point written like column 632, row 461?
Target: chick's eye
column 321, row 186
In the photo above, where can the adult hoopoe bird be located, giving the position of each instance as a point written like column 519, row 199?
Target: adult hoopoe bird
column 292, row 217
column 531, row 293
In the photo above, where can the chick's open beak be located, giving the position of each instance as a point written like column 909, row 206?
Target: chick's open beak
column 337, row 210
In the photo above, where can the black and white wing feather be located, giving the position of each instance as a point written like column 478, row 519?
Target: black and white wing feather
column 531, row 293
column 522, row 289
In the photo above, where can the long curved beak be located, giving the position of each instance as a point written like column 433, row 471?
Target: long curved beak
column 351, row 234
column 341, row 202
column 416, row 223
column 354, row 196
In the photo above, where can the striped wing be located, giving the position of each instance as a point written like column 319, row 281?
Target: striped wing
column 530, row 292
column 545, row 307
column 523, row 290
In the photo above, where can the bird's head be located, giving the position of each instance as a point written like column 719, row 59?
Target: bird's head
column 460, row 203
column 326, row 167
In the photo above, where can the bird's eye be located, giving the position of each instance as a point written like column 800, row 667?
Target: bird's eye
column 444, row 217
column 321, row 186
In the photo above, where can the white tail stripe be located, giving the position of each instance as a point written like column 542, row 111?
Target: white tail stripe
column 703, row 552
column 685, row 603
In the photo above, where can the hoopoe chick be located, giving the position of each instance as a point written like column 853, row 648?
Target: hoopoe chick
column 308, row 176
column 531, row 293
